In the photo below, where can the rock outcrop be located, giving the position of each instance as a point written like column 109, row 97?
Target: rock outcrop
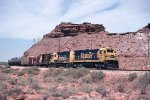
column 70, row 29
column 131, row 47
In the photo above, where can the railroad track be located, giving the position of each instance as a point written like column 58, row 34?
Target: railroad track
column 94, row 69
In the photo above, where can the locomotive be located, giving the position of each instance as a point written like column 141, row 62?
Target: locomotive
column 96, row 58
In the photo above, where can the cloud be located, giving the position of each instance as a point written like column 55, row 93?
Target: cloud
column 28, row 19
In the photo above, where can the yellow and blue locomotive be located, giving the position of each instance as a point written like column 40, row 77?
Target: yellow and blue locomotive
column 95, row 58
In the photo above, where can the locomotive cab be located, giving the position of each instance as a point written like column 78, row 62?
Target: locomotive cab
column 54, row 57
column 108, row 57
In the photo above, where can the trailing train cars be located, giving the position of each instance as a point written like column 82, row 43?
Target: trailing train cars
column 14, row 61
column 95, row 58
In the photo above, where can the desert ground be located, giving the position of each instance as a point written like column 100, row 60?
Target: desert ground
column 33, row 83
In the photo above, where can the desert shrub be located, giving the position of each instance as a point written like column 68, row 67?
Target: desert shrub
column 86, row 79
column 35, row 85
column 3, row 96
column 48, row 73
column 4, row 77
column 121, row 88
column 61, row 79
column 97, row 76
column 2, row 67
column 22, row 81
column 12, row 81
column 15, row 90
column 32, row 70
column 86, row 88
column 75, row 73
column 31, row 80
column 132, row 76
column 143, row 97
column 101, row 90
column 143, row 82
column 54, row 92
column 22, row 72
column 64, row 93
column 8, row 70
column 3, row 86
column 56, row 72
column 51, row 72
column 48, row 79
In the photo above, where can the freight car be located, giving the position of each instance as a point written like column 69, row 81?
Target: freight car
column 97, row 58
column 14, row 61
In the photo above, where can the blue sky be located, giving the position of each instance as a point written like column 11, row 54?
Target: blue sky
column 24, row 20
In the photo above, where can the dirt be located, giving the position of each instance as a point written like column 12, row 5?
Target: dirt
column 115, row 85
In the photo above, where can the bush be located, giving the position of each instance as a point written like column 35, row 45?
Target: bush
column 3, row 96
column 15, row 90
column 121, row 88
column 132, row 76
column 32, row 70
column 86, row 88
column 143, row 82
column 97, row 76
column 75, row 73
column 22, row 81
column 12, row 81
column 35, row 85
column 86, row 79
column 22, row 72
column 3, row 86
column 4, row 77
column 64, row 93
column 52, row 72
column 8, row 70
column 61, row 79
column 101, row 90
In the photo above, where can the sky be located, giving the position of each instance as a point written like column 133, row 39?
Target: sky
column 23, row 20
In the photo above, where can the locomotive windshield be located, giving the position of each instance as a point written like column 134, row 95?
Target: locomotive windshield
column 110, row 50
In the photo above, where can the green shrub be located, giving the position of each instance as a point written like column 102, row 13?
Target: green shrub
column 15, row 90
column 22, row 81
column 64, row 93
column 132, row 76
column 4, row 77
column 32, row 70
column 52, row 72
column 101, row 90
column 35, row 85
column 143, row 82
column 86, row 79
column 12, row 81
column 97, row 76
column 3, row 86
column 75, row 73
column 86, row 88
column 3, row 96
column 121, row 88
column 22, row 72
column 61, row 79
column 8, row 70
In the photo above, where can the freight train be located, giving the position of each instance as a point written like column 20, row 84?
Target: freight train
column 95, row 58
